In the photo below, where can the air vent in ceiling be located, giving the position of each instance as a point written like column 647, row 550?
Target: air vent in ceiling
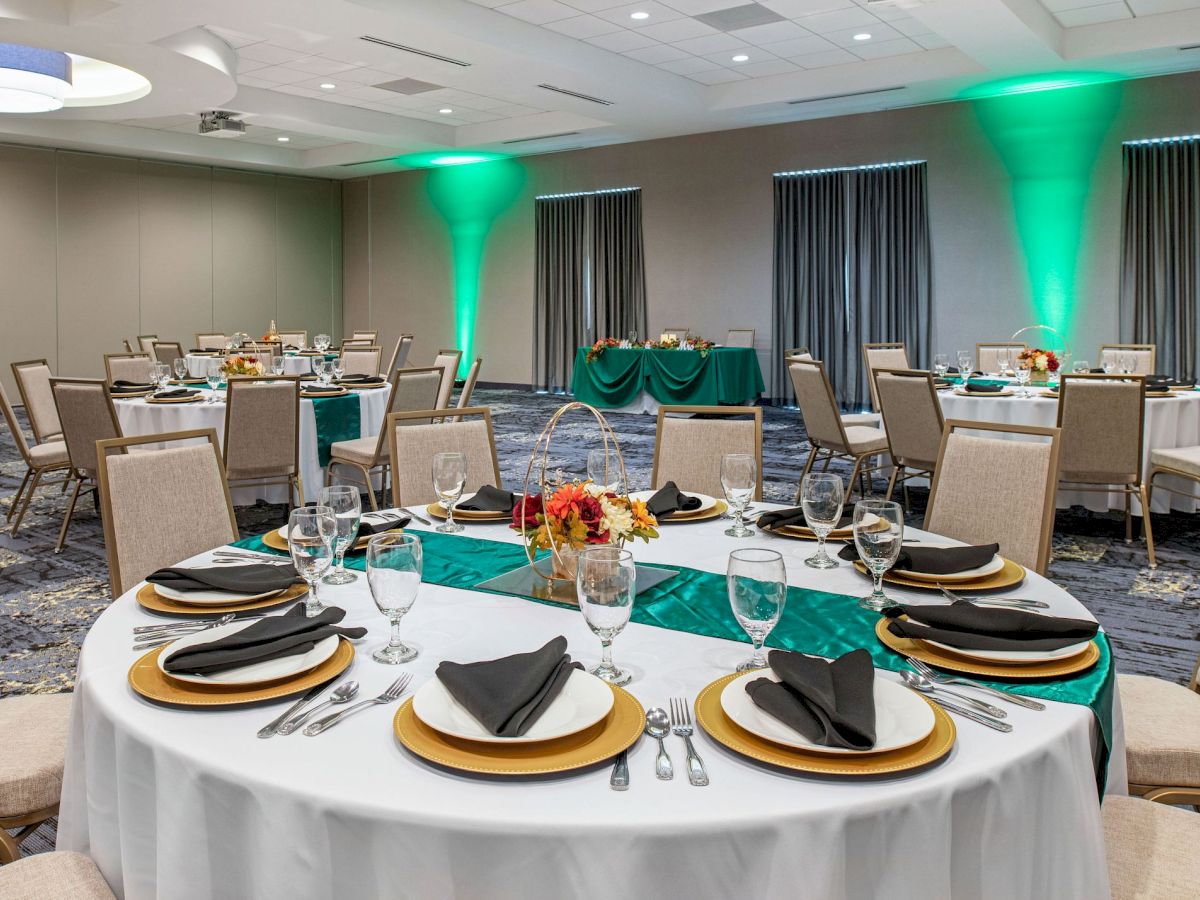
column 541, row 137
column 886, row 90
column 417, row 50
column 408, row 86
column 735, row 17
column 367, row 162
column 575, row 94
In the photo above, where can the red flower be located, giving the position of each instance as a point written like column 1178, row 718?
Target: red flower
column 527, row 508
column 590, row 514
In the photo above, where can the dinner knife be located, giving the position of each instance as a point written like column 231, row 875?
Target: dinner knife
column 421, row 519
column 972, row 715
column 273, row 726
column 619, row 780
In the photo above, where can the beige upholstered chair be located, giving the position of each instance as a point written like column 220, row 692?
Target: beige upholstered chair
column 146, row 343
column 146, row 496
column 58, row 874
column 262, row 433
column 371, row 337
column 128, row 347
column 448, row 360
column 1144, row 356
column 86, row 411
column 361, row 360
column 468, row 388
column 400, row 354
column 297, row 339
column 412, row 389
column 211, row 340
column 1151, row 850
column 675, row 333
column 265, row 350
column 740, row 337
column 135, row 367
column 40, row 460
column 32, row 752
column 996, row 490
column 1102, row 418
column 33, row 384
column 1179, row 462
column 828, row 431
column 357, row 343
column 987, row 355
column 888, row 355
column 688, row 450
column 1162, row 737
column 167, row 352
column 411, row 449
column 913, row 422
column 800, row 353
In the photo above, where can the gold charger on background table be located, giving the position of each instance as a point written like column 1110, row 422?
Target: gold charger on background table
column 952, row 662
column 354, row 386
column 681, row 518
column 804, row 533
column 186, row 381
column 1010, row 576
column 130, row 395
column 276, row 541
column 149, row 599
column 438, row 511
column 149, row 681
column 712, row 718
column 193, row 399
column 618, row 731
column 316, row 395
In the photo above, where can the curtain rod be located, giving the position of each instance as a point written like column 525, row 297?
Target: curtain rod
column 1164, row 140
column 619, row 190
column 886, row 165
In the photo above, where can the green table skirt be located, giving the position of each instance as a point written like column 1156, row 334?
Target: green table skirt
column 727, row 375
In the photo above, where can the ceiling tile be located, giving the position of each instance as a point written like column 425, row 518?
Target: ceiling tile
column 1091, row 15
column 251, row 81
column 717, row 76
column 592, row 6
column 714, row 43
column 767, row 67
column 837, row 57
column 320, row 65
column 801, row 46
column 873, row 50
column 539, row 12
column 931, row 41
column 583, row 26
column 688, row 66
column 249, row 65
column 233, row 38
column 269, row 54
column 908, row 26
column 698, row 7
column 622, row 40
column 1154, row 7
column 364, row 75
column 280, row 75
column 852, row 17
column 795, row 9
column 724, row 58
column 678, row 30
column 658, row 13
column 766, row 34
column 657, row 54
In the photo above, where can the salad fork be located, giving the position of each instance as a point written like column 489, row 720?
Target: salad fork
column 942, row 678
column 395, row 689
column 681, row 725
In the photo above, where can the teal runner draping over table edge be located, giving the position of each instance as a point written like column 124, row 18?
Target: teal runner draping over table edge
column 723, row 375
column 813, row 622
column 338, row 419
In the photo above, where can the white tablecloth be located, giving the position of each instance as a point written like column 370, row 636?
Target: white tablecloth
column 292, row 365
column 187, row 804
column 1170, row 422
column 139, row 417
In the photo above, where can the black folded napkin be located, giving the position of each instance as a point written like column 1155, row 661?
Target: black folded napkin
column 253, row 578
column 972, row 627
column 121, row 386
column 271, row 638
column 942, row 382
column 668, row 500
column 794, row 517
column 984, row 388
column 361, row 379
column 1099, row 371
column 489, row 499
column 830, row 703
column 290, row 347
column 323, row 389
column 378, row 523
column 935, row 560
column 508, row 695
column 177, row 392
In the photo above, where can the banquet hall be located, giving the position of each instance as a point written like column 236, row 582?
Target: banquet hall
column 590, row 448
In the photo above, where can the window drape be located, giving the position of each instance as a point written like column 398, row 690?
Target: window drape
column 618, row 270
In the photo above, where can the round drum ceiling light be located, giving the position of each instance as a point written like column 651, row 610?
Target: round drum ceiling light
column 33, row 80
column 95, row 82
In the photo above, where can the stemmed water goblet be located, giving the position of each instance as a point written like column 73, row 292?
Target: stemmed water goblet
column 346, row 504
column 739, row 476
column 311, row 532
column 394, row 563
column 1023, row 378
column 605, row 579
column 964, row 364
column 1081, row 367
column 160, row 374
column 449, row 479
column 181, row 369
column 214, row 376
column 878, row 536
column 277, row 366
column 757, row 583
column 941, row 365
column 321, row 342
column 821, row 498
column 338, row 367
column 1003, row 361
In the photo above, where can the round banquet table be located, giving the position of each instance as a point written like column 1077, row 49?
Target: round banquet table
column 139, row 417
column 190, row 804
column 1170, row 422
column 293, row 363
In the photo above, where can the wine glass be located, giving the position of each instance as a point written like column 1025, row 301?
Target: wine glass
column 757, row 583
column 338, row 368
column 603, row 469
column 1002, row 361
column 1023, row 378
column 1128, row 363
column 181, row 368
column 878, row 535
column 311, row 531
column 821, row 498
column 322, row 341
column 394, row 564
column 277, row 366
column 739, row 476
column 1081, row 367
column 346, row 504
column 941, row 365
column 964, row 363
column 161, row 375
column 214, row 376
column 449, row 479
column 604, row 581
column 1109, row 364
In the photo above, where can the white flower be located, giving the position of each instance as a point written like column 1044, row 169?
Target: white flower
column 1040, row 361
column 617, row 519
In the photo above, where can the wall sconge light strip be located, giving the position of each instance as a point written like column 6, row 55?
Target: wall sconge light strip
column 886, row 165
column 620, row 190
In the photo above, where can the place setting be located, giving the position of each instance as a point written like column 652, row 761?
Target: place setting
column 220, row 586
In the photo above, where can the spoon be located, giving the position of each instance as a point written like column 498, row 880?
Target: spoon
column 925, row 686
column 341, row 694
column 658, row 726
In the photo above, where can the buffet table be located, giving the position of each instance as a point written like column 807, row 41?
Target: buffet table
column 190, row 804
column 639, row 380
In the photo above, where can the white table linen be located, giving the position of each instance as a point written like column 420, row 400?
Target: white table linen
column 191, row 804
column 292, row 365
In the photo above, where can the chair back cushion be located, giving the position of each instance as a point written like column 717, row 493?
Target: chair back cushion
column 211, row 341
column 1101, row 423
column 130, row 368
column 912, row 418
column 821, row 418
column 689, row 451
column 34, row 382
column 260, row 428
column 448, row 360
column 412, row 466
column 883, row 358
column 1143, row 359
column 86, row 414
column 13, row 425
column 740, row 337
column 988, row 356
column 361, row 361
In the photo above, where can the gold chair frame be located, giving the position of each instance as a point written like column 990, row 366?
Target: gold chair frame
column 870, row 370
column 82, row 481
column 10, row 844
column 16, row 370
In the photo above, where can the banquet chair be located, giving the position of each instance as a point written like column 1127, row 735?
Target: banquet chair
column 688, row 450
column 411, row 449
column 400, row 354
column 1103, row 419
column 361, row 360
column 888, row 355
column 33, row 384
column 167, row 352
column 88, row 416
column 448, row 360
column 1144, row 355
column 799, row 353
column 57, row 874
column 913, row 422
column 828, row 431
column 468, row 388
column 371, row 337
column 297, row 339
column 987, row 354
column 146, row 343
column 996, row 490
column 128, row 347
column 32, row 755
column 1162, row 737
column 211, row 340
column 40, row 460
column 678, row 334
column 357, row 343
column 262, row 433
column 263, row 349
column 135, row 367
column 161, row 505
column 740, row 337
column 1151, row 850
column 412, row 389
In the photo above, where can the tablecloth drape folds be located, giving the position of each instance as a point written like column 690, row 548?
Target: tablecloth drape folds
column 723, row 375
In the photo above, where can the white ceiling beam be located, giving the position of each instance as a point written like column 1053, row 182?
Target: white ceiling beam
column 1177, row 29
column 1002, row 35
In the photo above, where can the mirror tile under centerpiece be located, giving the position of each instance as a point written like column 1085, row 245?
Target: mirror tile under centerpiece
column 529, row 582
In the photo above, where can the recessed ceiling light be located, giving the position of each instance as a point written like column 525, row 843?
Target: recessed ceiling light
column 445, row 110
column 741, row 57
column 862, row 36
column 328, row 86
column 639, row 15
column 283, row 139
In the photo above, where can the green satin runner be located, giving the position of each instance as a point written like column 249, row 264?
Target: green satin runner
column 813, row 622
column 338, row 419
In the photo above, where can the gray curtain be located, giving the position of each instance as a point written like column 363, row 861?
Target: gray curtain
column 560, row 289
column 1160, row 261
column 618, row 269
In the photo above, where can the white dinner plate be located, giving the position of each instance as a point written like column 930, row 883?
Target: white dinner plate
column 988, row 568
column 583, row 702
column 901, row 717
column 1003, row 392
column 269, row 670
column 212, row 597
column 706, row 502
column 1013, row 657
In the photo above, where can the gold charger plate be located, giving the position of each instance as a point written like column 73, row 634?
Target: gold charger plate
column 193, row 399
column 1010, row 576
column 362, row 387
column 148, row 680
column 803, row 533
column 952, row 662
column 149, row 599
column 712, row 718
column 618, row 731
column 273, row 540
column 714, row 512
column 316, row 396
column 468, row 515
column 127, row 395
column 185, row 381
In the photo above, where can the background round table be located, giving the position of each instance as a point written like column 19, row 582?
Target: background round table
column 293, row 363
column 191, row 804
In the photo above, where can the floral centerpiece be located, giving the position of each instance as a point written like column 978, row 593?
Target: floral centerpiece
column 665, row 343
column 242, row 365
column 1039, row 362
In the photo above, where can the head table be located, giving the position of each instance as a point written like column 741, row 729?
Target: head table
column 639, row 379
column 190, row 804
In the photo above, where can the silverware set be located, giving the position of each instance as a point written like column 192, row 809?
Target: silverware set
column 149, row 637
column 1003, row 602
column 243, row 558
column 660, row 726
column 419, row 518
column 927, row 681
column 942, row 678
column 292, row 718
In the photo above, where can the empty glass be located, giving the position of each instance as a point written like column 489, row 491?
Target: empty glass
column 213, row 375
column 277, row 367
column 449, row 479
column 878, row 535
column 964, row 363
column 941, row 365
column 1023, row 378
column 181, row 368
column 338, row 367
column 1128, row 363
column 346, row 504
column 161, row 375
column 821, row 498
column 1002, row 361
column 321, row 342
column 739, row 476
column 311, row 531
column 394, row 563
column 605, row 578
column 757, row 584
column 1081, row 367
column 1109, row 365
column 604, row 469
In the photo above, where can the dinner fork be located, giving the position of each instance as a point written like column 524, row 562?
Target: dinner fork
column 681, row 725
column 942, row 678
column 1008, row 602
column 395, row 689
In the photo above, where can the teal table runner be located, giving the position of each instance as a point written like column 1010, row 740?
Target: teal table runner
column 338, row 419
column 696, row 602
column 723, row 375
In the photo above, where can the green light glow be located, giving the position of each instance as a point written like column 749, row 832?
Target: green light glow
column 1032, row 84
column 441, row 158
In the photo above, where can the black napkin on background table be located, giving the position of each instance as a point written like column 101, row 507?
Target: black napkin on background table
column 323, row 389
column 489, row 499
column 668, row 500
column 972, row 627
column 361, row 379
column 177, row 392
column 830, row 703
column 984, row 388
column 378, row 523
column 508, row 695
column 942, row 382
column 271, row 638
column 121, row 386
column 252, row 578
column 794, row 517
column 935, row 560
